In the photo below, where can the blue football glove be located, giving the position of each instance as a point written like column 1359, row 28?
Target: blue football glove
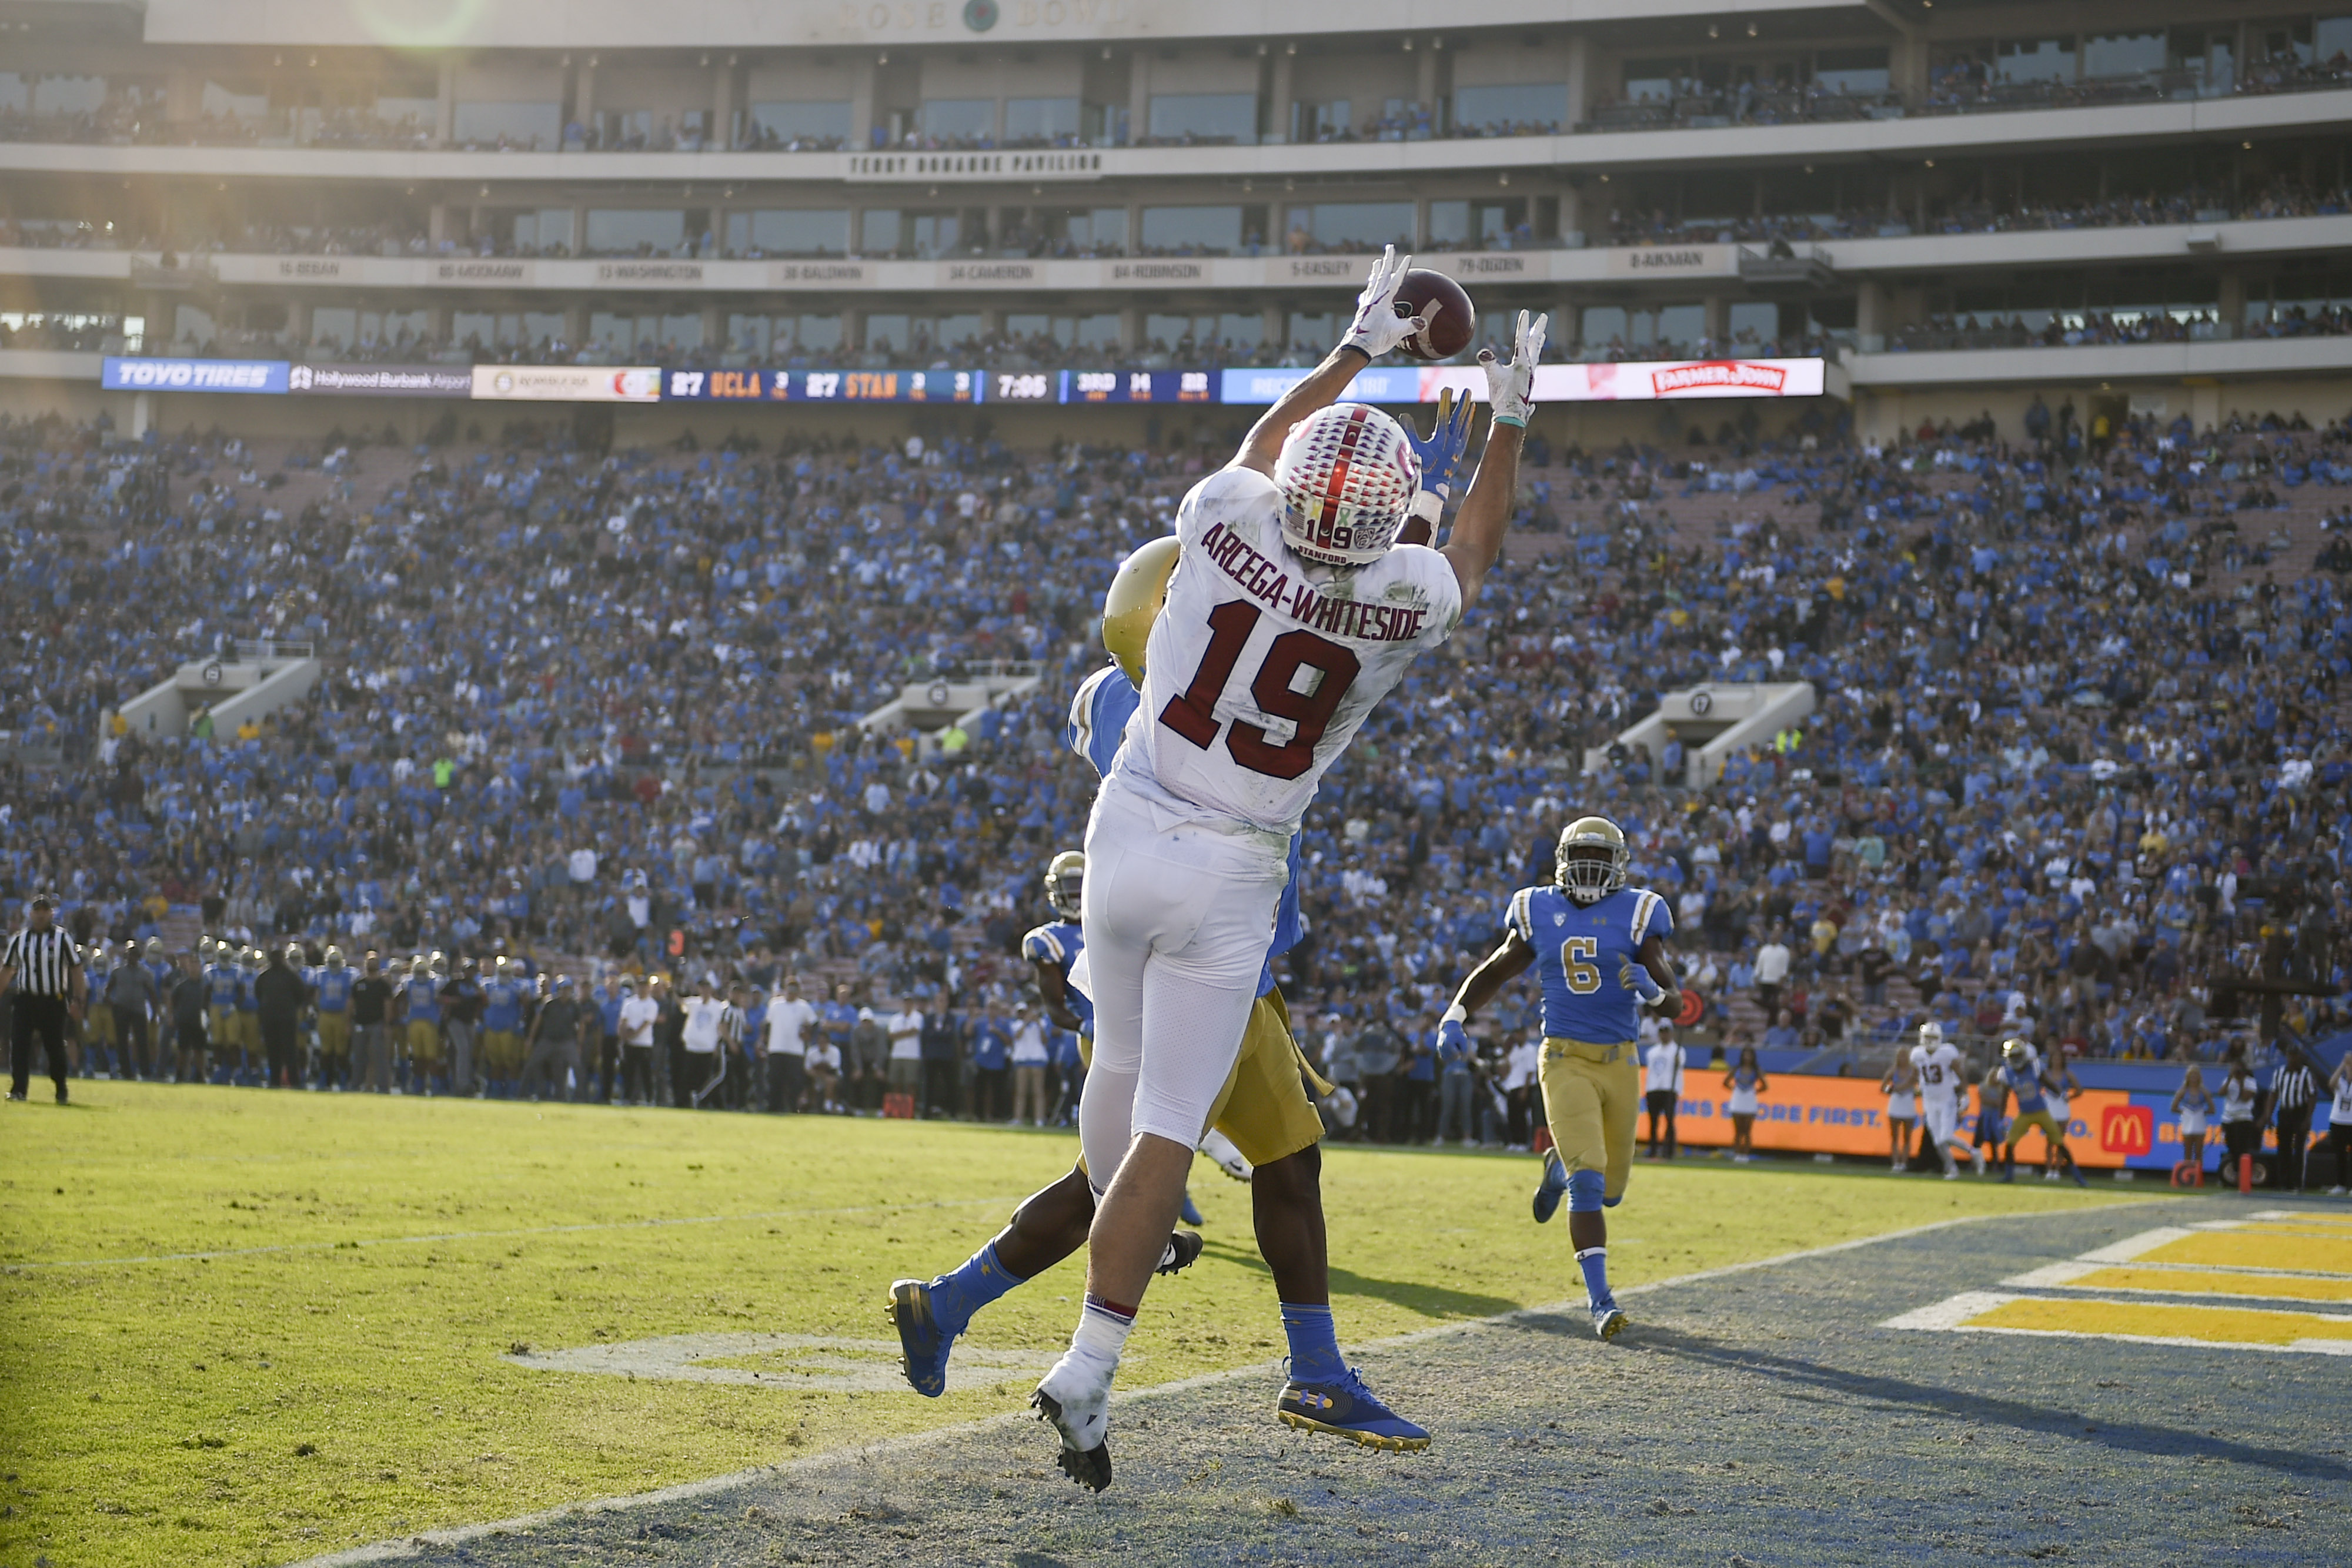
column 1448, row 439
column 1452, row 1043
column 1637, row 979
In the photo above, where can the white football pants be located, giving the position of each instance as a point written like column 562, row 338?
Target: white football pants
column 1177, row 920
column 1942, row 1116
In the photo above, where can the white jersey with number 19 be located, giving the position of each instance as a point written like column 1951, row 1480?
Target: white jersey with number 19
column 1263, row 665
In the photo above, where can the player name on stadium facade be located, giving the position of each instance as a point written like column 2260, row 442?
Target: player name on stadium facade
column 882, row 275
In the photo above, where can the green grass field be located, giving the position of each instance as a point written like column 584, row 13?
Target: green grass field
column 246, row 1327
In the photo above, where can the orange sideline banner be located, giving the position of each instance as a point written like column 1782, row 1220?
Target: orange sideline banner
column 1805, row 1114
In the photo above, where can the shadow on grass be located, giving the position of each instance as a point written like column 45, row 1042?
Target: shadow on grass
column 1435, row 1302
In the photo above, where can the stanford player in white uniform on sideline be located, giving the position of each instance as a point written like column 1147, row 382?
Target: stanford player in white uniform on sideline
column 1291, row 613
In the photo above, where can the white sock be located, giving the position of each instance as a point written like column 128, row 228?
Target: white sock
column 1101, row 1335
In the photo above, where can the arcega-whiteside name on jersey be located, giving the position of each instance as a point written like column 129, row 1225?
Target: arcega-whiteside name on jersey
column 1263, row 665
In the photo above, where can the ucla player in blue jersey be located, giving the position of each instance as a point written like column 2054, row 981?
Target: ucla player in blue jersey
column 502, row 1026
column 331, row 985
column 1264, row 1111
column 2018, row 1074
column 222, row 988
column 1599, row 950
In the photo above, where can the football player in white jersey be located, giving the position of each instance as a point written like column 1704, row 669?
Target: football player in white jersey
column 1292, row 611
column 1942, row 1083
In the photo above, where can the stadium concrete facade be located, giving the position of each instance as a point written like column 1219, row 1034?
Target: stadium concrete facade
column 1956, row 205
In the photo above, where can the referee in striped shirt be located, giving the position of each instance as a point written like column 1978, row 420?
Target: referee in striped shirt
column 2294, row 1089
column 41, row 972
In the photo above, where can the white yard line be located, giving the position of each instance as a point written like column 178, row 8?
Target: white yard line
column 497, row 1235
column 2132, row 1247
column 456, row 1535
column 1949, row 1314
column 2055, row 1276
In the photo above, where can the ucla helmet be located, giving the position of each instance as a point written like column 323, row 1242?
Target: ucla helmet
column 1592, row 859
column 1133, row 603
column 1066, row 882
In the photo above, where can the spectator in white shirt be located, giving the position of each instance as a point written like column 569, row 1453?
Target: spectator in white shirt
column 1028, row 1067
column 582, row 865
column 791, row 1020
column 1519, row 1074
column 699, row 1039
column 905, row 1029
column 1662, row 1086
column 639, row 1013
column 1771, row 972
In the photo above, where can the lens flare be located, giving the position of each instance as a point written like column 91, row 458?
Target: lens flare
column 419, row 23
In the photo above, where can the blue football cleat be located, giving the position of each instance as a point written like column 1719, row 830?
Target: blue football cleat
column 1347, row 1409
column 1190, row 1212
column 1608, row 1320
column 1551, row 1189
column 923, row 1348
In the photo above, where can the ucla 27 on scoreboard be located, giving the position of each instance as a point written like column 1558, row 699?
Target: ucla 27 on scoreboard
column 824, row 386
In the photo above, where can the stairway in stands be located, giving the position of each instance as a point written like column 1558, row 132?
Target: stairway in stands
column 180, row 929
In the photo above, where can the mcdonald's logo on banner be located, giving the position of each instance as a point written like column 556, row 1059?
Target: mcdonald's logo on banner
column 2127, row 1130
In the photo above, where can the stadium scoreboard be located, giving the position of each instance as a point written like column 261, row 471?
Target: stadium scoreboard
column 1606, row 381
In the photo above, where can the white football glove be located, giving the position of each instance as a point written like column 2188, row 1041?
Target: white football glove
column 1378, row 328
column 1511, row 387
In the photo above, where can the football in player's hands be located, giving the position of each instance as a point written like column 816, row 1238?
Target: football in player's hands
column 1443, row 306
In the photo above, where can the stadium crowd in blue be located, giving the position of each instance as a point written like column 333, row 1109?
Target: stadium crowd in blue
column 2072, row 757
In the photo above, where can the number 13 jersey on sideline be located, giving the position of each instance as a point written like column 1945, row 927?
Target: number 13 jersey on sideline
column 1581, row 950
column 1263, row 665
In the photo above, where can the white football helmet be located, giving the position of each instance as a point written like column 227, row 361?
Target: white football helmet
column 1348, row 476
